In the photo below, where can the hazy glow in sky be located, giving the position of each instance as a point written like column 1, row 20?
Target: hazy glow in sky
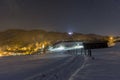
column 83, row 16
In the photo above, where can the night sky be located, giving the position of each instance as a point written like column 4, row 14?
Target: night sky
column 83, row 16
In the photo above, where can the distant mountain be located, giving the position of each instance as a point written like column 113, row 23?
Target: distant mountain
column 29, row 41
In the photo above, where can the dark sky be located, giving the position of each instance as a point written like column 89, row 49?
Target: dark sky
column 84, row 16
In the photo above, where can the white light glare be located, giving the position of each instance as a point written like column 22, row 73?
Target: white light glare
column 70, row 33
column 60, row 48
column 78, row 47
column 57, row 49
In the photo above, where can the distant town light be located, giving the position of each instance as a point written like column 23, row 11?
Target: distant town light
column 1, row 55
column 43, row 46
column 70, row 33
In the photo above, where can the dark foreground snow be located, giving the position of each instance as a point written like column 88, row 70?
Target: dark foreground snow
column 106, row 66
column 36, row 67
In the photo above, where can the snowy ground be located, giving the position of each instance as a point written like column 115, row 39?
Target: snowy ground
column 106, row 66
column 22, row 67
column 39, row 67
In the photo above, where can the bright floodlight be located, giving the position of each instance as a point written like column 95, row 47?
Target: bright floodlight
column 70, row 33
column 57, row 49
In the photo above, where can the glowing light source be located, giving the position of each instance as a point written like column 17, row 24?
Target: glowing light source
column 70, row 33
column 111, row 41
column 60, row 48
column 111, row 38
column 78, row 47
column 43, row 46
column 57, row 49
column 63, row 48
column 1, row 55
